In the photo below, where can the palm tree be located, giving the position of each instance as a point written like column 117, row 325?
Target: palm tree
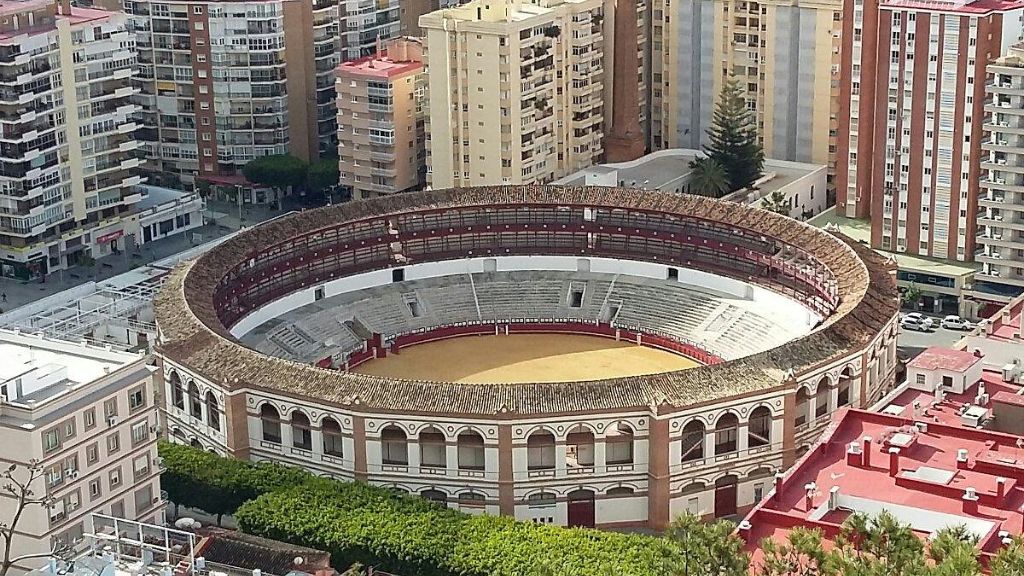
column 708, row 178
column 776, row 202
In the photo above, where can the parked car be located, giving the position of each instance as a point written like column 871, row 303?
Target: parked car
column 954, row 322
column 916, row 324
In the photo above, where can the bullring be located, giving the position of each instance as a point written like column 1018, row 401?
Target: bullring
column 628, row 451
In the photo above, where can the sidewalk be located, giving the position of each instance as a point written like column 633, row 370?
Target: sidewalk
column 19, row 293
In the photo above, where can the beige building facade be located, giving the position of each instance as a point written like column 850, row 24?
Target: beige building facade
column 68, row 171
column 88, row 416
column 515, row 91
column 380, row 121
column 785, row 55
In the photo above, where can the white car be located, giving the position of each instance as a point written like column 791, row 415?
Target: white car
column 914, row 323
column 954, row 322
column 919, row 318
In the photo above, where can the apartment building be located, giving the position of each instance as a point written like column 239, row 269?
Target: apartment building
column 912, row 110
column 380, row 121
column 515, row 91
column 364, row 22
column 785, row 54
column 217, row 90
column 1001, row 200
column 87, row 415
column 67, row 139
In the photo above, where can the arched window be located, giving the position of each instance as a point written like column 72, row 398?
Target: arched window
column 212, row 415
column 472, row 499
column 759, row 428
column 541, row 499
column 726, row 433
column 693, row 441
column 394, row 447
column 271, row 422
column 195, row 405
column 195, row 443
column 302, row 437
column 540, row 451
column 843, row 398
column 177, row 394
column 471, row 451
column 331, row 432
column 432, row 449
column 619, row 444
column 435, row 496
column 821, row 400
column 802, row 406
column 621, row 491
column 579, row 448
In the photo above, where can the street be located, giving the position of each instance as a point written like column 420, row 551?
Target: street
column 913, row 343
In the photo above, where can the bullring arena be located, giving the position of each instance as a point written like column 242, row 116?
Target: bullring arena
column 578, row 356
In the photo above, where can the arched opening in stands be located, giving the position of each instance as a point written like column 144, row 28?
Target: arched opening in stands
column 693, row 441
column 177, row 393
column 432, row 449
column 802, row 406
column 195, row 405
column 302, row 436
column 394, row 446
column 845, row 379
column 212, row 413
column 581, row 508
column 435, row 496
column 759, row 427
column 821, row 400
column 270, row 420
column 471, row 451
column 618, row 444
column 727, row 434
column 579, row 448
column 540, row 451
column 331, row 432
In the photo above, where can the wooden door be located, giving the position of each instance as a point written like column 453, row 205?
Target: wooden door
column 581, row 508
column 725, row 496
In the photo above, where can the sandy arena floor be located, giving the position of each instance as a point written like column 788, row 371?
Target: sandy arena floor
column 524, row 358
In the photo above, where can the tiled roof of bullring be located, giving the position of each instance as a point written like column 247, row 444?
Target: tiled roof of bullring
column 192, row 334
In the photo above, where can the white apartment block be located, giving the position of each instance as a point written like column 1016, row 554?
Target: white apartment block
column 515, row 91
column 363, row 22
column 67, row 139
column 88, row 416
column 217, row 89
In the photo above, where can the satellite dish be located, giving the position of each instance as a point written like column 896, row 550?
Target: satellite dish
column 299, row 561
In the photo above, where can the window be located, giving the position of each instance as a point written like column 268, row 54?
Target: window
column 177, row 393
column 92, row 453
column 693, row 441
column 89, row 418
column 394, row 447
column 212, row 415
column 51, row 440
column 802, row 404
column 947, row 381
column 821, row 401
column 920, row 379
column 115, row 477
column 94, row 489
column 726, row 432
column 619, row 444
column 69, row 429
column 471, row 451
column 332, row 437
column 271, row 423
column 113, row 443
column 136, row 399
column 541, row 499
column 433, row 453
column 302, row 437
column 540, row 451
column 110, row 408
column 140, row 466
column 195, row 405
column 579, row 449
column 759, row 428
column 140, row 433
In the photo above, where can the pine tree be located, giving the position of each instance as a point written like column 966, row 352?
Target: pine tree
column 733, row 138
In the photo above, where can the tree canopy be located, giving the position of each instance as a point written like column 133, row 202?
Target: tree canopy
column 708, row 178
column 733, row 140
column 776, row 202
column 322, row 175
column 276, row 171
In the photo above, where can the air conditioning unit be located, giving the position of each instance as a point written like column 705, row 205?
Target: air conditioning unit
column 111, row 420
column 73, row 474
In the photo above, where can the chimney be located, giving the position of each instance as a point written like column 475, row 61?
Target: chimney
column 854, row 457
column 894, row 461
column 744, row 530
column 811, row 489
column 961, row 459
column 970, row 501
column 978, row 353
column 624, row 140
column 867, row 452
column 1000, row 487
column 64, row 7
column 833, row 498
column 778, row 487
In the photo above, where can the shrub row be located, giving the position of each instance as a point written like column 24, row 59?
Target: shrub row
column 359, row 523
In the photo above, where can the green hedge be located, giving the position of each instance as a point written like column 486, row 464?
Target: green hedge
column 412, row 536
column 359, row 523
